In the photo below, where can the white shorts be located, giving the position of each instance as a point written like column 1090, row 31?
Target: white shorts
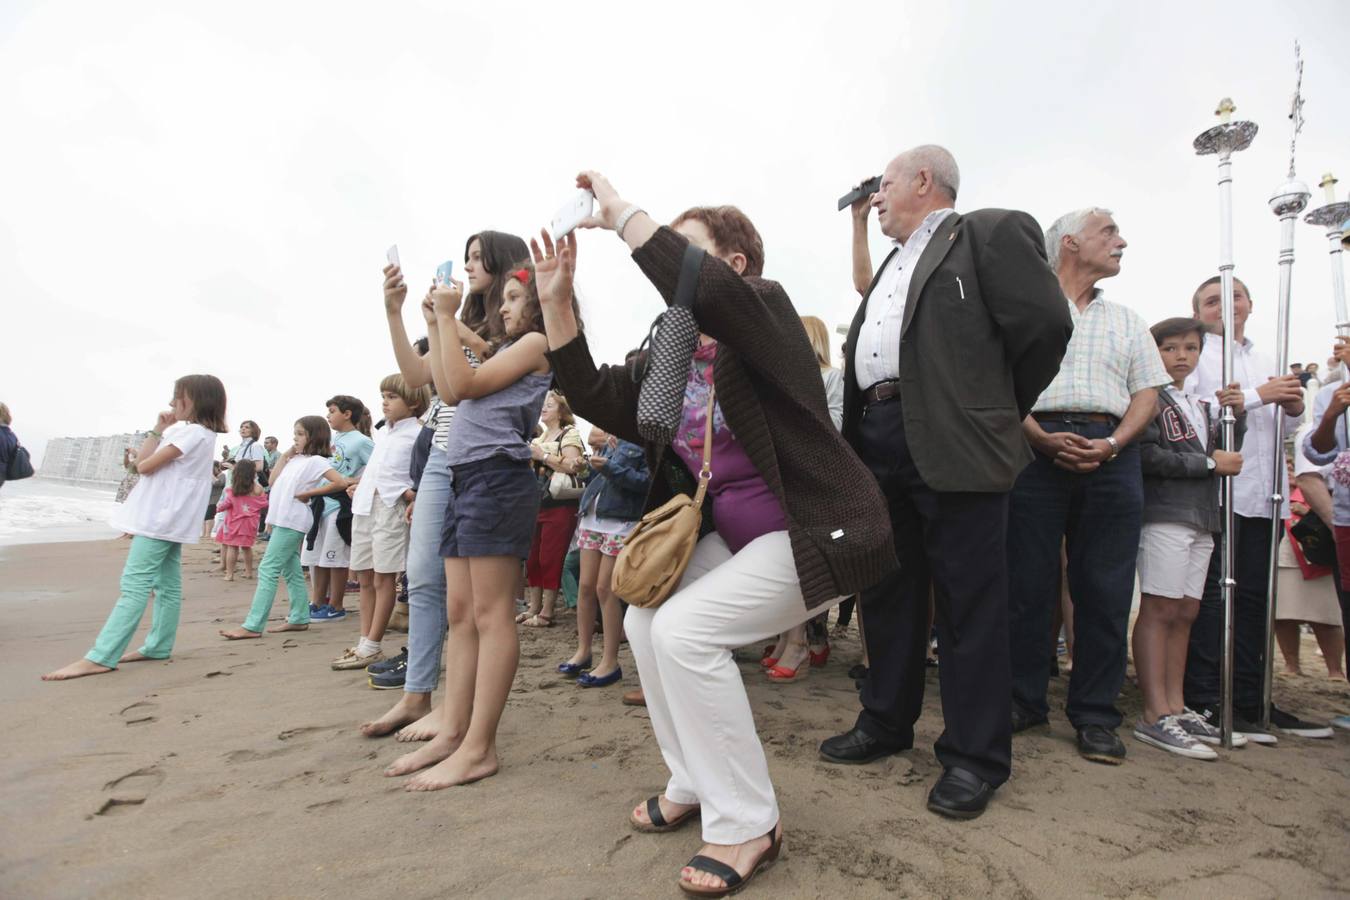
column 1173, row 560
column 330, row 550
column 380, row 540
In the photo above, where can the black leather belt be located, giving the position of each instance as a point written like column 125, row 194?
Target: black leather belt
column 1076, row 418
column 882, row 390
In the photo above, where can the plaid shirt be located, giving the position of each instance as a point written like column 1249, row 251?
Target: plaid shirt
column 1111, row 356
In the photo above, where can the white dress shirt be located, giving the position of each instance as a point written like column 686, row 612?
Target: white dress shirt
column 1252, row 487
column 877, row 356
column 387, row 469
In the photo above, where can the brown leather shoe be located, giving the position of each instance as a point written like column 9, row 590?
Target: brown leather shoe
column 634, row 698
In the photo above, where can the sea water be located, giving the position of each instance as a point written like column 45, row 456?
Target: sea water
column 38, row 511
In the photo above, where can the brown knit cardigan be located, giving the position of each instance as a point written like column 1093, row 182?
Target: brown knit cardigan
column 773, row 398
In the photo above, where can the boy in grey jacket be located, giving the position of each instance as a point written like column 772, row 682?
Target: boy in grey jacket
column 1181, row 465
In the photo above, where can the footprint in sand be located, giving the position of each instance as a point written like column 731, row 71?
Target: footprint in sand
column 138, row 713
column 214, row 674
column 130, row 791
column 296, row 732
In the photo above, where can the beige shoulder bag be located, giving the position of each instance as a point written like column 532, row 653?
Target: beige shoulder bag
column 656, row 553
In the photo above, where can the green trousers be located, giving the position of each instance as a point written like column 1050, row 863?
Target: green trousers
column 152, row 565
column 281, row 561
column 570, row 577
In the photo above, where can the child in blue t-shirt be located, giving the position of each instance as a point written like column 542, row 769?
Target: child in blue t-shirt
column 330, row 554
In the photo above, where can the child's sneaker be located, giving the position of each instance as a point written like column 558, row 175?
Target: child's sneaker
column 327, row 613
column 392, row 662
column 1342, row 722
column 1198, row 727
column 1167, row 734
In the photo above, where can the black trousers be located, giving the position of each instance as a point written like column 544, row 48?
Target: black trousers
column 1204, row 655
column 956, row 543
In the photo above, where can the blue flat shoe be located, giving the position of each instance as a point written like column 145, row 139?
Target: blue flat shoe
column 589, row 680
column 572, row 670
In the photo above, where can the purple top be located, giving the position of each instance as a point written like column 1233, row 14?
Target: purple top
column 744, row 507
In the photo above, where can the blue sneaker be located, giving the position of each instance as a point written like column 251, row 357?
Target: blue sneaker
column 589, row 680
column 327, row 613
column 1342, row 722
column 389, row 664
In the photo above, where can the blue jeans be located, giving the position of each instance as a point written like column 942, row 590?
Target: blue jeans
column 427, row 620
column 1098, row 516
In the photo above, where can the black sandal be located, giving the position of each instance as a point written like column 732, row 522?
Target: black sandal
column 658, row 823
column 732, row 880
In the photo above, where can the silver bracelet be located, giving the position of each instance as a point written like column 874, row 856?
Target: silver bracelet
column 1115, row 448
column 624, row 217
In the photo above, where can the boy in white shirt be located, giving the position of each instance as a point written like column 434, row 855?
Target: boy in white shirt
column 379, row 516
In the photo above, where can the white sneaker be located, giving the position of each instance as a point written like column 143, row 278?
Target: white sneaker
column 1168, row 734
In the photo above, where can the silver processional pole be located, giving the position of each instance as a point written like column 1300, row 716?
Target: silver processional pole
column 1289, row 199
column 1225, row 139
column 1333, row 215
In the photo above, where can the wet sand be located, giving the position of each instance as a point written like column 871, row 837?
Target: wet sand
column 236, row 770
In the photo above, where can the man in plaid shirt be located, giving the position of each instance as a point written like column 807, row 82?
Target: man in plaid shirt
column 1084, row 489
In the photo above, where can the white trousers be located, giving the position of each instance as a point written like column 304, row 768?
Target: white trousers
column 695, row 696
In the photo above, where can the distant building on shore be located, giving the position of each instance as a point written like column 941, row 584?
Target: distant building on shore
column 88, row 459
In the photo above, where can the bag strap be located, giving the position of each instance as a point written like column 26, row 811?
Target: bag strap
column 689, row 269
column 705, row 474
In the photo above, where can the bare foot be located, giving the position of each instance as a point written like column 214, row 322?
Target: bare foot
column 459, row 768
column 239, row 634
column 424, row 729
column 77, row 669
column 670, row 810
column 137, row 656
column 229, row 578
column 286, row 626
column 405, row 712
column 435, row 751
column 741, row 857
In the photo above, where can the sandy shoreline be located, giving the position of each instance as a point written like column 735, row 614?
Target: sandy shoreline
column 236, row 770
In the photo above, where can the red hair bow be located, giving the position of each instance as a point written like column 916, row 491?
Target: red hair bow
column 521, row 275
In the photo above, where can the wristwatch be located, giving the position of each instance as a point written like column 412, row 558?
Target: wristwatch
column 1115, row 448
column 1210, row 464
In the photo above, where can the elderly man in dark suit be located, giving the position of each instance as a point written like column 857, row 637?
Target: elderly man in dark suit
column 962, row 328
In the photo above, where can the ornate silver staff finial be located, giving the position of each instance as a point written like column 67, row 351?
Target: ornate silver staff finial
column 1296, row 106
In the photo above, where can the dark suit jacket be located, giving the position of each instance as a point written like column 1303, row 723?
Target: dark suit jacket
column 972, row 366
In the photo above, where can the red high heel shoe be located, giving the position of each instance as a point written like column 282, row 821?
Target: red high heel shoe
column 821, row 658
column 782, row 674
column 768, row 660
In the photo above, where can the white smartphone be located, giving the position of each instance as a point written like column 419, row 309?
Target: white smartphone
column 573, row 212
column 392, row 255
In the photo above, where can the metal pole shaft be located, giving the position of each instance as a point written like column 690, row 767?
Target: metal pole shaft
column 1227, row 584
column 1335, row 235
column 1287, row 222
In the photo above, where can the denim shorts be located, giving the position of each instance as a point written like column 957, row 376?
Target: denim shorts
column 492, row 509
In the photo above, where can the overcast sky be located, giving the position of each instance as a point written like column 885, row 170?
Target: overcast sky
column 207, row 188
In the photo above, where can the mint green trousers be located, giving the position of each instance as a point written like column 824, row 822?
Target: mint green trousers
column 281, row 561
column 152, row 565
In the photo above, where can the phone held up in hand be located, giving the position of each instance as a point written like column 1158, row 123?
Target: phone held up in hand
column 866, row 189
column 572, row 214
column 392, row 256
column 443, row 273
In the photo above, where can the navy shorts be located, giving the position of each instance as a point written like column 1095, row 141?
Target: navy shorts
column 492, row 509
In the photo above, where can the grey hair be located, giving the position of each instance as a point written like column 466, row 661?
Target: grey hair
column 938, row 161
column 1068, row 224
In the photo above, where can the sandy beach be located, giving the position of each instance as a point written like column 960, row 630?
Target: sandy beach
column 236, row 769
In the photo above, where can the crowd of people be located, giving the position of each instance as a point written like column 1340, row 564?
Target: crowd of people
column 998, row 429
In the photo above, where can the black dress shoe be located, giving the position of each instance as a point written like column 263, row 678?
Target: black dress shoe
column 959, row 794
column 856, row 747
column 1022, row 720
column 1100, row 744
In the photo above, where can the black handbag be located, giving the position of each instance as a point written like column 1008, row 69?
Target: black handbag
column 1316, row 540
column 20, row 464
